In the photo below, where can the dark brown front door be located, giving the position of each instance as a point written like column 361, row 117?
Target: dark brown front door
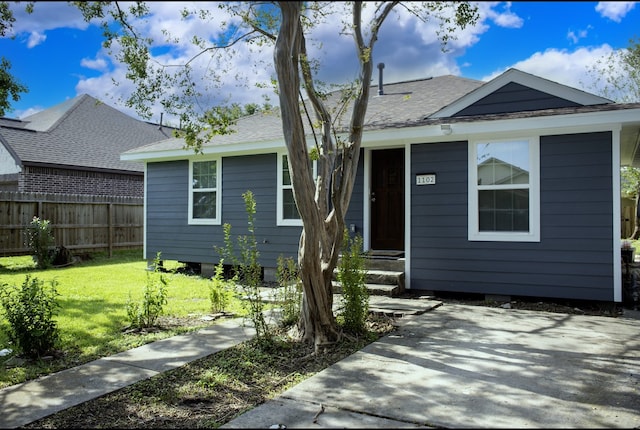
column 387, row 199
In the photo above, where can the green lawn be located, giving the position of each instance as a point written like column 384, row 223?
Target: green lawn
column 93, row 296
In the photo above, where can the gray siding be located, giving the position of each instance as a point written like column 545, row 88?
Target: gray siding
column 574, row 256
column 354, row 214
column 168, row 230
column 514, row 98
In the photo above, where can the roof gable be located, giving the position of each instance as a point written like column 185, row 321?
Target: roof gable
column 517, row 91
column 82, row 132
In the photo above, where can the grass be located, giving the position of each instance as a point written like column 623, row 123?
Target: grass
column 92, row 317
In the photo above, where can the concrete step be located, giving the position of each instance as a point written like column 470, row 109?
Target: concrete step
column 393, row 264
column 384, row 277
column 374, row 289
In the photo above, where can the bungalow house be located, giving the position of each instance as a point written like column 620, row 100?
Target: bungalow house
column 74, row 148
column 509, row 187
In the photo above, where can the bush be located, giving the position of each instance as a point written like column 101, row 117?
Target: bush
column 145, row 315
column 289, row 293
column 352, row 275
column 40, row 241
column 30, row 310
column 220, row 293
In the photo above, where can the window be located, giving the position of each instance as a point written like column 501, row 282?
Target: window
column 504, row 190
column 287, row 210
column 204, row 192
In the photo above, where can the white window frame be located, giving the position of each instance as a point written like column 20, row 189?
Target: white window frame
column 280, row 220
column 533, row 235
column 217, row 189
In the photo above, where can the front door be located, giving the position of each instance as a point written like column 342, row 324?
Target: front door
column 387, row 199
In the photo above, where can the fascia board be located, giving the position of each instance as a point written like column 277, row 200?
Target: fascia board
column 227, row 150
column 555, row 124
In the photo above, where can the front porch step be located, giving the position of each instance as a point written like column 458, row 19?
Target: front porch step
column 374, row 289
column 379, row 283
column 384, row 277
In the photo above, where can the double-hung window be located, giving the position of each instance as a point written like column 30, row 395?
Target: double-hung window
column 204, row 192
column 504, row 196
column 287, row 210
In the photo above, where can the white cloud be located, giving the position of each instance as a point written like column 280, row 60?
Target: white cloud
column 562, row 66
column 506, row 18
column 575, row 36
column 615, row 10
column 99, row 64
column 46, row 16
column 35, row 39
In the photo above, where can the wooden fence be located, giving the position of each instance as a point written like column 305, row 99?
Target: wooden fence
column 80, row 223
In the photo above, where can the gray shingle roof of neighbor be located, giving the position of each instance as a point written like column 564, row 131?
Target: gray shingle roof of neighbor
column 401, row 104
column 79, row 133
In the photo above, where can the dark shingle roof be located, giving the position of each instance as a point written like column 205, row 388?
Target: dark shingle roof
column 80, row 132
column 402, row 104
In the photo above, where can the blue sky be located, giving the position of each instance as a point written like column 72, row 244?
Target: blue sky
column 58, row 56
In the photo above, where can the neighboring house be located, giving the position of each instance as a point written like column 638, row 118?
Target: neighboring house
column 74, row 148
column 509, row 187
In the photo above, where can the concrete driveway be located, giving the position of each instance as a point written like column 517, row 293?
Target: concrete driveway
column 460, row 366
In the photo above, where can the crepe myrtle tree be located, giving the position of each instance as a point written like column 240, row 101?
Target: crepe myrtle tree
column 284, row 28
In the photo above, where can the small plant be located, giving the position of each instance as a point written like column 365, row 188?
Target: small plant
column 40, row 241
column 247, row 269
column 145, row 315
column 289, row 293
column 219, row 291
column 30, row 311
column 351, row 275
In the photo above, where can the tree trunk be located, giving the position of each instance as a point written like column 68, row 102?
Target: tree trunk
column 315, row 255
column 317, row 323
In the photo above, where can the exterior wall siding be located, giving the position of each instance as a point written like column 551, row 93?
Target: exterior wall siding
column 167, row 211
column 67, row 181
column 354, row 213
column 574, row 256
column 514, row 98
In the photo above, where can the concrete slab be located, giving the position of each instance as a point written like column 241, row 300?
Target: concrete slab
column 32, row 400
column 303, row 415
column 173, row 352
column 477, row 367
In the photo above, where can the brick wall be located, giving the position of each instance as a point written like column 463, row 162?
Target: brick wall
column 67, row 181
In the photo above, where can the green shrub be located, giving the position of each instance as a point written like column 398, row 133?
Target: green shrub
column 41, row 242
column 30, row 310
column 145, row 314
column 352, row 275
column 220, row 292
column 289, row 293
column 246, row 268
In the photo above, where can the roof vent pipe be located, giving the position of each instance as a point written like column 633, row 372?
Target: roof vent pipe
column 380, row 90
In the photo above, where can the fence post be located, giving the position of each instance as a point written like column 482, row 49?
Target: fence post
column 110, row 221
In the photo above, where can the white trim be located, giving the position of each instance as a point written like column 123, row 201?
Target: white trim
column 522, row 78
column 366, row 201
column 145, row 195
column 280, row 220
column 533, row 235
column 407, row 216
column 218, row 191
column 553, row 124
column 617, row 256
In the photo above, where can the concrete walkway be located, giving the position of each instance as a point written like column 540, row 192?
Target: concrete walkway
column 32, row 400
column 461, row 366
column 446, row 366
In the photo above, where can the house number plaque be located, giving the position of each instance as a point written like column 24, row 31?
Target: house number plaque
column 426, row 179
